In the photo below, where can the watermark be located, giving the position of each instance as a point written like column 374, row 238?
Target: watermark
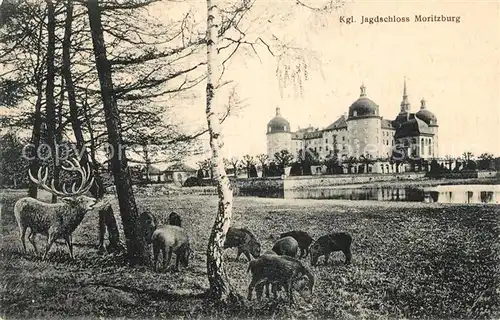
column 396, row 152
column 63, row 152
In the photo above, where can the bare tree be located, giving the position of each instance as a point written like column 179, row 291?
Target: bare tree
column 248, row 161
column 263, row 160
column 283, row 158
column 136, row 245
column 234, row 162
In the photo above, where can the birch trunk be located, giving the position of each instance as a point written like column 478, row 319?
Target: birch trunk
column 220, row 287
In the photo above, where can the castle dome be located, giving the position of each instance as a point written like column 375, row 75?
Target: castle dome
column 278, row 123
column 425, row 115
column 363, row 107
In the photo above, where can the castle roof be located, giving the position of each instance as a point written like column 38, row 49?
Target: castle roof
column 386, row 124
column 363, row 107
column 278, row 123
column 425, row 115
column 412, row 127
column 340, row 123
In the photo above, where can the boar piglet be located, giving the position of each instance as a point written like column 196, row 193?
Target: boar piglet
column 174, row 219
column 286, row 246
column 244, row 240
column 281, row 271
column 330, row 243
column 171, row 239
column 148, row 223
column 303, row 238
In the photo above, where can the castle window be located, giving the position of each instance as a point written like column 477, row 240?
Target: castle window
column 326, row 148
column 343, row 138
column 319, row 148
column 355, row 114
column 326, row 140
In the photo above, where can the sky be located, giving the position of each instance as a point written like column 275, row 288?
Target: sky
column 454, row 66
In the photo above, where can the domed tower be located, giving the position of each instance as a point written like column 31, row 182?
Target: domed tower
column 278, row 135
column 431, row 120
column 364, row 127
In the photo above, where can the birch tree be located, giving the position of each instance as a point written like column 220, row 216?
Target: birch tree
column 220, row 288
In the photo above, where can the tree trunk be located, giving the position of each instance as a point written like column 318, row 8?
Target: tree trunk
column 135, row 242
column 35, row 137
column 37, row 125
column 58, row 137
column 49, row 88
column 220, row 290
column 106, row 217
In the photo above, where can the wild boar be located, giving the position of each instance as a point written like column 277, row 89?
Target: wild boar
column 259, row 288
column 281, row 271
column 299, row 285
column 330, row 243
column 286, row 246
column 303, row 238
column 171, row 239
column 244, row 240
column 174, row 219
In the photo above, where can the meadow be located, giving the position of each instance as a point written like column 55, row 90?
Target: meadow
column 410, row 260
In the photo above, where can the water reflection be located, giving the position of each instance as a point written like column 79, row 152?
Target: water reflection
column 441, row 194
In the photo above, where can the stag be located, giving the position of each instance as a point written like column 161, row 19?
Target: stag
column 56, row 220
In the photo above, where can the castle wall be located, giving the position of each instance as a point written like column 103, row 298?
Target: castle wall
column 279, row 141
column 387, row 143
column 435, row 144
column 365, row 137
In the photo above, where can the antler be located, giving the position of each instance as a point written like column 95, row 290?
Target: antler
column 72, row 165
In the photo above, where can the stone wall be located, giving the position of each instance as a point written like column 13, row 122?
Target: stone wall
column 300, row 182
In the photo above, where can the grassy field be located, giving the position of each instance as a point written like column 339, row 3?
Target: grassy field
column 410, row 260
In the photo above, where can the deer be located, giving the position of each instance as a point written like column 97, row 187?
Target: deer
column 57, row 220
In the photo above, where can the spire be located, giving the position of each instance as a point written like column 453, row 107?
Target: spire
column 363, row 90
column 422, row 104
column 405, row 104
column 278, row 112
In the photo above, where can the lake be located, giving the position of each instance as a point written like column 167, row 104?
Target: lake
column 440, row 194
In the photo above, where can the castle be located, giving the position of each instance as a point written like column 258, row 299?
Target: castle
column 362, row 133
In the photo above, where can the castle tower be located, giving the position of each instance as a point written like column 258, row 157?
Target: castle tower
column 278, row 135
column 405, row 103
column 431, row 120
column 364, row 127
